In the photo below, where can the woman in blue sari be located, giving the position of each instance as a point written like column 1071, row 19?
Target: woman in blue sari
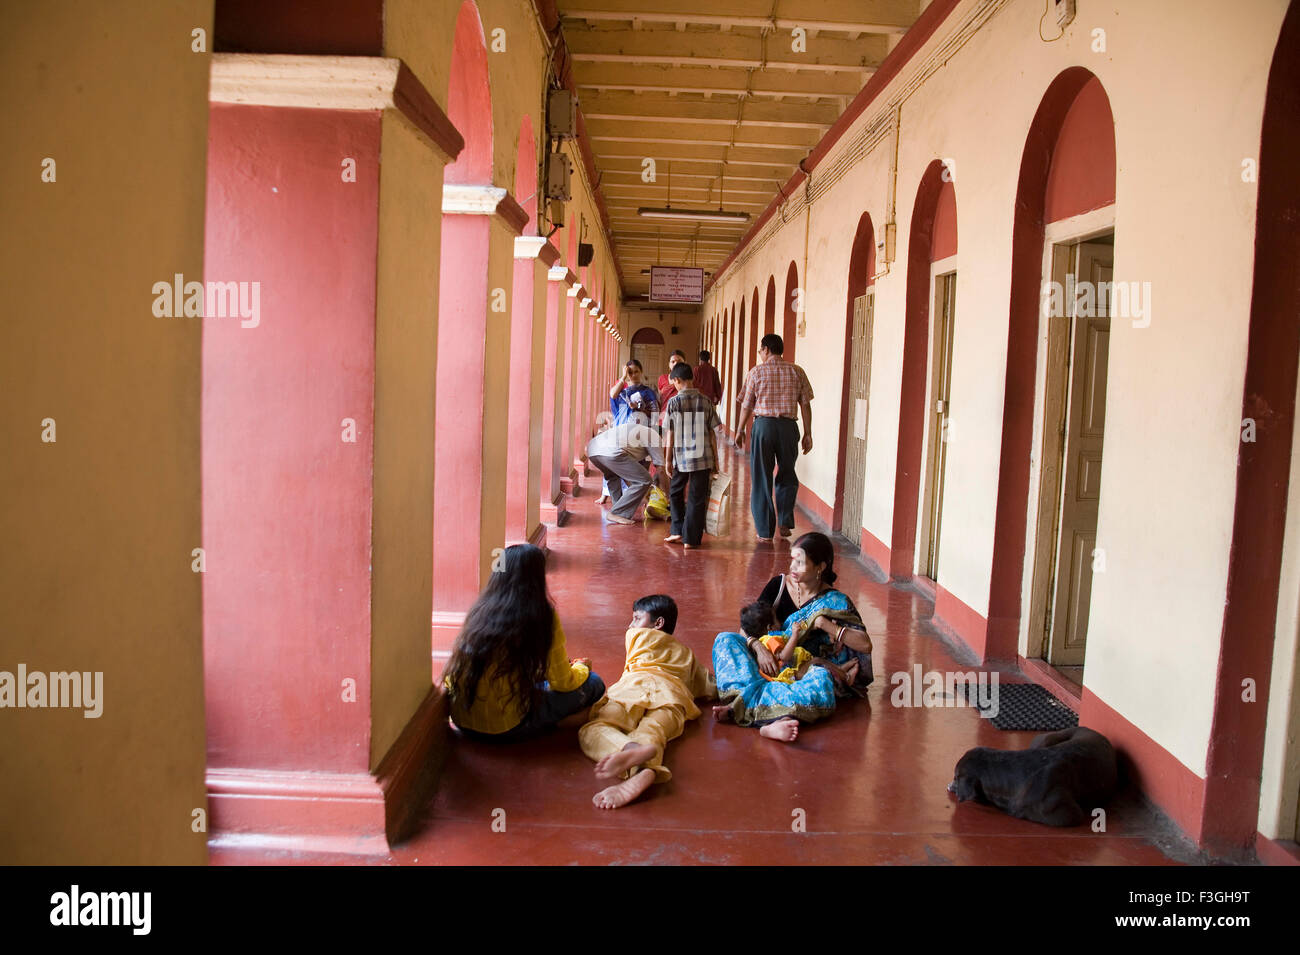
column 821, row 619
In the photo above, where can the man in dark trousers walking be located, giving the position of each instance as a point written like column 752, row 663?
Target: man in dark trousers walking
column 775, row 392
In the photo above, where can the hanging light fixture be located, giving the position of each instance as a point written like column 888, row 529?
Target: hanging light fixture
column 696, row 215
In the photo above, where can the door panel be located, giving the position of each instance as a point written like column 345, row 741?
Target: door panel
column 1081, row 494
column 855, row 466
column 940, row 409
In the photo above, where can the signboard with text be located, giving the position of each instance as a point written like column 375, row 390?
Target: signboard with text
column 670, row 283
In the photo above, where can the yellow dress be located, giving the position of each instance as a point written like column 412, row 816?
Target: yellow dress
column 651, row 701
column 494, row 710
column 776, row 643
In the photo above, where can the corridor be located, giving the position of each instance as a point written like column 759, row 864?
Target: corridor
column 313, row 308
column 871, row 781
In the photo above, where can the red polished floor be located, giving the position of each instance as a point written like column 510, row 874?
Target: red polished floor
column 869, row 783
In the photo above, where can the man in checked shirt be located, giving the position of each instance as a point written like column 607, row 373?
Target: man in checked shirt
column 775, row 391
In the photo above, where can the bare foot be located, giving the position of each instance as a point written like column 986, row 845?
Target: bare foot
column 624, row 792
column 690, row 546
column 673, row 539
column 723, row 714
column 786, row 730
column 786, row 531
column 632, row 754
column 618, row 519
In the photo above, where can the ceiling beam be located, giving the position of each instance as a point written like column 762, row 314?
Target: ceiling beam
column 686, row 79
column 738, row 156
column 725, row 49
column 687, row 169
column 870, row 16
column 658, row 106
column 766, row 138
column 626, row 190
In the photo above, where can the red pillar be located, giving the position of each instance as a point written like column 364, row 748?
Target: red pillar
column 571, row 322
column 582, row 379
column 480, row 223
column 553, row 498
column 533, row 258
column 317, row 477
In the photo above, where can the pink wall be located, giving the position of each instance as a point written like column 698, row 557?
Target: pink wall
column 469, row 100
column 286, row 502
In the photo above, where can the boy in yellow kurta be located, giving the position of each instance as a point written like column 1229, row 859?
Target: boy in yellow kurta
column 647, row 707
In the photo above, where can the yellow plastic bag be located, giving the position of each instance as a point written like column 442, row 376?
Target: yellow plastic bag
column 656, row 505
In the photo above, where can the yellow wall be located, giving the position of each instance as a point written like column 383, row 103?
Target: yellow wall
column 1186, row 86
column 406, row 336
column 98, row 527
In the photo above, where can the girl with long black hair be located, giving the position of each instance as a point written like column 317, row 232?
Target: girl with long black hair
column 510, row 677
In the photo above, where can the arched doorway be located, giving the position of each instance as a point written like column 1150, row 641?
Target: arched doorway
column 1236, row 751
column 769, row 309
column 738, row 360
column 923, row 245
column 1068, row 167
column 850, row 471
column 793, row 305
column 648, row 348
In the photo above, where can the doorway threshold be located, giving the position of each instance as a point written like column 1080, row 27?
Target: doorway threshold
column 1061, row 684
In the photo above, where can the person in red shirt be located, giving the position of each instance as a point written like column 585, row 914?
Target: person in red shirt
column 707, row 381
column 666, row 387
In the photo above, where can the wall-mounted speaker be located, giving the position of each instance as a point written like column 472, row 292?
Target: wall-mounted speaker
column 586, row 252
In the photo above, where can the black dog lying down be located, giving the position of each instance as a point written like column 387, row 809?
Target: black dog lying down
column 1058, row 781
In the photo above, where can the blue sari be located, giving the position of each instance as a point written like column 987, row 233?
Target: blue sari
column 756, row 701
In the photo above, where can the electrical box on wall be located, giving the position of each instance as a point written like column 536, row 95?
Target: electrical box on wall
column 557, row 212
column 558, row 172
column 1064, row 12
column 885, row 247
column 562, row 115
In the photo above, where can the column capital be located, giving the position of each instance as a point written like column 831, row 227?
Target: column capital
column 536, row 247
column 466, row 199
column 333, row 82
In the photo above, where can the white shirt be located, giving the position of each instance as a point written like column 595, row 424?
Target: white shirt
column 636, row 440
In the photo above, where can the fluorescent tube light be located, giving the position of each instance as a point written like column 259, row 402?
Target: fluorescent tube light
column 700, row 215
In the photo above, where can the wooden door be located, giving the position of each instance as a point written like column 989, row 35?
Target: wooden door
column 855, row 465
column 651, row 358
column 1084, row 438
column 945, row 300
